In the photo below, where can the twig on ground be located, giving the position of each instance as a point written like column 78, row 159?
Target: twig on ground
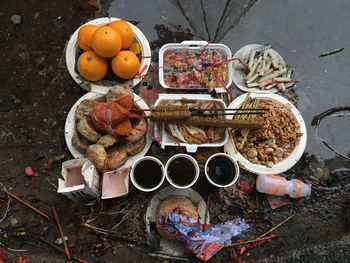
column 250, row 241
column 277, row 226
column 7, row 207
column 111, row 234
column 13, row 249
column 52, row 184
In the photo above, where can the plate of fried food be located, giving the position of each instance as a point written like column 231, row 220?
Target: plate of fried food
column 111, row 130
column 261, row 70
column 278, row 145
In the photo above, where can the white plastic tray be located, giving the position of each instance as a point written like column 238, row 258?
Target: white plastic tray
column 72, row 50
column 238, row 75
column 285, row 164
column 194, row 45
column 70, row 127
column 162, row 135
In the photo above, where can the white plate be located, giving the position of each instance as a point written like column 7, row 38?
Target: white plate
column 70, row 127
column 238, row 75
column 174, row 247
column 285, row 164
column 72, row 50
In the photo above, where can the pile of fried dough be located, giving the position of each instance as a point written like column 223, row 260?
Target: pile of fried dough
column 109, row 130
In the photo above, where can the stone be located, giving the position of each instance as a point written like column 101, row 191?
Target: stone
column 24, row 55
column 16, row 19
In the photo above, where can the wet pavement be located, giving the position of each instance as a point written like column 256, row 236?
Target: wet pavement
column 37, row 92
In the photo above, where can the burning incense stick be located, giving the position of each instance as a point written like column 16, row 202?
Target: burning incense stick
column 26, row 204
column 61, row 233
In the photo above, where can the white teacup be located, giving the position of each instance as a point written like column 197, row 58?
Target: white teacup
column 222, row 176
column 147, row 174
column 177, row 171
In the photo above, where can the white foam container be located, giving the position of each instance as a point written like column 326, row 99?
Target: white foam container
column 161, row 135
column 193, row 45
column 72, row 51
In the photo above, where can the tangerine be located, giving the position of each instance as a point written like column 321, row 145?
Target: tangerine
column 135, row 48
column 125, row 32
column 106, row 42
column 91, row 66
column 125, row 65
column 85, row 36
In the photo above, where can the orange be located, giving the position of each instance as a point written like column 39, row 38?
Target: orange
column 135, row 48
column 85, row 35
column 106, row 42
column 125, row 32
column 91, row 66
column 125, row 65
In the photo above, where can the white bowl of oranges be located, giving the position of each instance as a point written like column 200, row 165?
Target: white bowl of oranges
column 106, row 52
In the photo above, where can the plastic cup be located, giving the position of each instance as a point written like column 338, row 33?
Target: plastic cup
column 182, row 171
column 221, row 170
column 147, row 174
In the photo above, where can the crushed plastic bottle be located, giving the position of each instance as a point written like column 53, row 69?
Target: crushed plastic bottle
column 278, row 185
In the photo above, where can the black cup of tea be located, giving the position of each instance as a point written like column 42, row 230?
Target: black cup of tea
column 221, row 170
column 147, row 174
column 182, row 171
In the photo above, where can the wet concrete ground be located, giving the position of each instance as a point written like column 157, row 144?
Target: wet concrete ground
column 37, row 92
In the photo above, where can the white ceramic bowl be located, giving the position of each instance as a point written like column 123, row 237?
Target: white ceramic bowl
column 101, row 87
column 182, row 155
column 233, row 162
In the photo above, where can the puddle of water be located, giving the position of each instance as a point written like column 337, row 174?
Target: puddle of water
column 300, row 32
column 149, row 13
column 335, row 131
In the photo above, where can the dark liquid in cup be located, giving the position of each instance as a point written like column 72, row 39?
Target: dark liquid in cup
column 148, row 174
column 221, row 170
column 181, row 171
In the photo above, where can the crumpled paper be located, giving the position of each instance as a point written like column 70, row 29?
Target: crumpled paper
column 203, row 243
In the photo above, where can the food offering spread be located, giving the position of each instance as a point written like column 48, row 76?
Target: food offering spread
column 263, row 70
column 112, row 127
